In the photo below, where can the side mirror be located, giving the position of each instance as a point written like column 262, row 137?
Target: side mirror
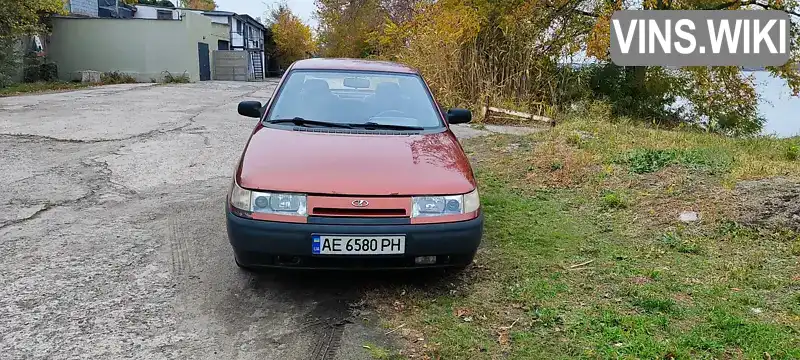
column 250, row 109
column 459, row 116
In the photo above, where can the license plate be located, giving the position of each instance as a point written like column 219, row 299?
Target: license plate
column 358, row 245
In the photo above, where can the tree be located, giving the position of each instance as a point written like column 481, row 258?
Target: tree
column 345, row 26
column 519, row 51
column 21, row 18
column 207, row 5
column 293, row 38
column 25, row 17
column 720, row 98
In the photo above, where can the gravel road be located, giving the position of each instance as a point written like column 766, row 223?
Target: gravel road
column 113, row 239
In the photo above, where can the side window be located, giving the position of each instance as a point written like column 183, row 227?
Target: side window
column 164, row 15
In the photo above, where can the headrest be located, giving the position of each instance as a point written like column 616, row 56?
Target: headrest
column 316, row 85
column 388, row 88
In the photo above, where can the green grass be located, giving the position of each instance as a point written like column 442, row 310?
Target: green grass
column 613, row 200
column 650, row 149
column 38, row 87
column 599, row 267
column 381, row 353
column 642, row 161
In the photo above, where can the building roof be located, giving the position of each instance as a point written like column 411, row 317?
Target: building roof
column 253, row 21
column 244, row 17
column 352, row 64
column 219, row 13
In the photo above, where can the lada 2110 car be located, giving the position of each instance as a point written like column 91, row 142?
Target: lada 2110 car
column 353, row 165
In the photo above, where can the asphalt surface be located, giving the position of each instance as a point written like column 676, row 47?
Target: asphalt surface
column 113, row 243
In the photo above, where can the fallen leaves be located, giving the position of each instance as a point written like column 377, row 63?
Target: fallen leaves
column 503, row 334
column 503, row 338
column 461, row 312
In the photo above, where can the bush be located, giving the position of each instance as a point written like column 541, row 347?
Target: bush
column 38, row 69
column 48, row 71
column 792, row 153
column 116, row 77
column 9, row 61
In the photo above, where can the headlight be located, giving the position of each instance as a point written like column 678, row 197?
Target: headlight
column 268, row 202
column 444, row 205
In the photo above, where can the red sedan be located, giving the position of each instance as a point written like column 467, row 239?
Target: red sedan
column 353, row 165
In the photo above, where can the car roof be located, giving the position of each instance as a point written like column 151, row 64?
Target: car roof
column 351, row 64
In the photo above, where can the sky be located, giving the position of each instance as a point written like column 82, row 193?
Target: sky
column 256, row 8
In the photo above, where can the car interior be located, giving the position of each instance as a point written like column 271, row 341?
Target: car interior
column 388, row 103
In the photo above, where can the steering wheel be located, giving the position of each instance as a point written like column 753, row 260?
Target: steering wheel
column 398, row 112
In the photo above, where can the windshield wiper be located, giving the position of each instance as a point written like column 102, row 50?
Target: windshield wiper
column 374, row 125
column 300, row 122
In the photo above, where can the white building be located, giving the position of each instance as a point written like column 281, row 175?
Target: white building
column 81, row 7
column 244, row 33
column 156, row 13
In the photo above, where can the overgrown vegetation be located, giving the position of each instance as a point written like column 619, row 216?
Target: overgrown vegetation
column 38, row 87
column 207, row 5
column 168, row 78
column 39, row 69
column 19, row 19
column 591, row 261
column 525, row 54
column 116, row 77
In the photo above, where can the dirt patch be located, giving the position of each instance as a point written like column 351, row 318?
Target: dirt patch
column 661, row 196
column 773, row 202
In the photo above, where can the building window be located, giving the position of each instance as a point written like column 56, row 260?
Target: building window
column 164, row 15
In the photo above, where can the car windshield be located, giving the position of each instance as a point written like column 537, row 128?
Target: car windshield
column 356, row 97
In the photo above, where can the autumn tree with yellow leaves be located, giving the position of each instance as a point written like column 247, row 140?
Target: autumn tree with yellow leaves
column 207, row 5
column 521, row 53
column 293, row 39
column 23, row 17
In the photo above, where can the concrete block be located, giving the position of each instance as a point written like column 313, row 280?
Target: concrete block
column 86, row 76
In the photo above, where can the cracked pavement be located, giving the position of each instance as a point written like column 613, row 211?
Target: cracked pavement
column 113, row 241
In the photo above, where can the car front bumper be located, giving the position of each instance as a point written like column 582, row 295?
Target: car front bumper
column 258, row 243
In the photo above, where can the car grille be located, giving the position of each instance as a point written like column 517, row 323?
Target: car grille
column 343, row 206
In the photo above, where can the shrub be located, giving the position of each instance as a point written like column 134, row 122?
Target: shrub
column 792, row 153
column 172, row 79
column 48, row 71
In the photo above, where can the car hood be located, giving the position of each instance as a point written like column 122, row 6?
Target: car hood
column 354, row 164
